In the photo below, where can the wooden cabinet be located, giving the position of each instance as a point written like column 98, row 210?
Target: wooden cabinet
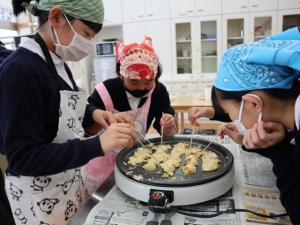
column 113, row 12
column 204, row 9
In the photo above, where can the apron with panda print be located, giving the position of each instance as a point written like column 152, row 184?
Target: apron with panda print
column 53, row 199
column 98, row 169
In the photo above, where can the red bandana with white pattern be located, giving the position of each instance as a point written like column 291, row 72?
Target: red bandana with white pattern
column 138, row 61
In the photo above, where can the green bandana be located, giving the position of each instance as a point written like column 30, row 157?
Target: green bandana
column 89, row 10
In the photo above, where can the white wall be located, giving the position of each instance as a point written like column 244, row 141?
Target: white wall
column 6, row 4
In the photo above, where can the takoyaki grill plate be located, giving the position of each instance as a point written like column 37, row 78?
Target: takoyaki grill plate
column 154, row 178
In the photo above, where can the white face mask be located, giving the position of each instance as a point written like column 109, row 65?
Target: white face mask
column 78, row 49
column 238, row 123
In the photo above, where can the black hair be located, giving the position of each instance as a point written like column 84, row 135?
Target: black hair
column 159, row 72
column 118, row 66
column 218, row 109
column 43, row 15
column 43, row 18
column 158, row 75
column 278, row 93
column 17, row 6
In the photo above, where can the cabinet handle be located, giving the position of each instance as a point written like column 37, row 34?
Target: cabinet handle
column 150, row 15
column 254, row 6
column 243, row 7
column 141, row 16
column 200, row 10
column 190, row 11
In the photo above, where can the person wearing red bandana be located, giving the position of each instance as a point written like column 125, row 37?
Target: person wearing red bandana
column 135, row 97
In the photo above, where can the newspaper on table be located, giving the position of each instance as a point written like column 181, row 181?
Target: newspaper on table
column 119, row 209
column 254, row 189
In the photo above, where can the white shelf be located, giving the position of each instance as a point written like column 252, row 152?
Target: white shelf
column 235, row 38
column 210, row 39
column 261, row 36
column 182, row 42
column 209, row 56
column 184, row 57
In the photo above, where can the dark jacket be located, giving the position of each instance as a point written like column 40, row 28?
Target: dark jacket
column 29, row 115
column 286, row 167
column 160, row 102
column 6, row 217
column 4, row 53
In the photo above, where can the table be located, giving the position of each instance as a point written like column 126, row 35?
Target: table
column 181, row 104
column 248, row 179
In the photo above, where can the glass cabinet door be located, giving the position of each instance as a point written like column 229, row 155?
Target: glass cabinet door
column 262, row 27
column 184, row 48
column 209, row 46
column 235, row 32
column 290, row 21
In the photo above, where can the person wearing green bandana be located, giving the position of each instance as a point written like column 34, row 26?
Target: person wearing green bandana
column 41, row 112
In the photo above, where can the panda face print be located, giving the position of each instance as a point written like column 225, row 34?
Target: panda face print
column 21, row 217
column 47, row 205
column 15, row 192
column 77, row 176
column 39, row 183
column 71, row 209
column 72, row 101
column 66, row 186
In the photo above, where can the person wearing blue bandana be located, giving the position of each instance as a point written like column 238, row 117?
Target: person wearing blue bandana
column 257, row 84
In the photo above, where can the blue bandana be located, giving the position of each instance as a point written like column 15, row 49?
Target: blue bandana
column 270, row 63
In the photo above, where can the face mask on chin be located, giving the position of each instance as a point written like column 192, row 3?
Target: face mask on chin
column 137, row 93
column 78, row 49
column 238, row 123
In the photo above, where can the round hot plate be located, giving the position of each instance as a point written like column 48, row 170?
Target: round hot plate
column 205, row 185
column 179, row 179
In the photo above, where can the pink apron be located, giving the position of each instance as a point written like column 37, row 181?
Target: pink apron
column 98, row 169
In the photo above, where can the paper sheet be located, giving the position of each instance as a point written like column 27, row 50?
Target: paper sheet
column 254, row 188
